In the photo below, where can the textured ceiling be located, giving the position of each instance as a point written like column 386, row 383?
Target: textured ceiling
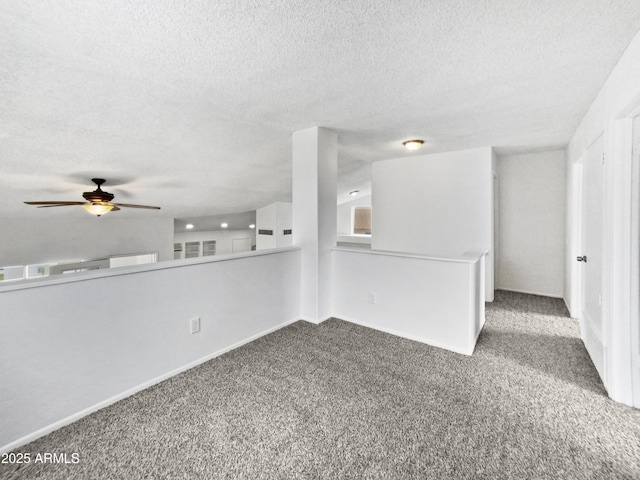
column 191, row 105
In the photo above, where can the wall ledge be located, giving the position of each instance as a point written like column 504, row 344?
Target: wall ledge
column 467, row 257
column 12, row 285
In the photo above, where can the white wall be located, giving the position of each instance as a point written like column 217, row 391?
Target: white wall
column 620, row 90
column 284, row 222
column 436, row 301
column 436, row 204
column 345, row 217
column 64, row 349
column 531, row 219
column 314, row 193
column 224, row 238
column 52, row 239
column 610, row 114
column 278, row 218
column 266, row 219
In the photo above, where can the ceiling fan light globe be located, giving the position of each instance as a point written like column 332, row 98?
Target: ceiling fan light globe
column 98, row 209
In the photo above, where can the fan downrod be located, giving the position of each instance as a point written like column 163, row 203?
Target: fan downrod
column 98, row 181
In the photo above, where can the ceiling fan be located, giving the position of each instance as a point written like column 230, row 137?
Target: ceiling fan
column 98, row 202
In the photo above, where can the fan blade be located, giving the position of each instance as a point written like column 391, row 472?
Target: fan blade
column 55, row 204
column 114, row 209
column 60, row 205
column 129, row 205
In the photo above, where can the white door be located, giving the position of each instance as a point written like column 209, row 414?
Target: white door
column 241, row 245
column 592, row 183
column 635, row 269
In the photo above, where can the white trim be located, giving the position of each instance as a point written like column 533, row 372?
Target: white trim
column 105, row 403
column 591, row 332
column 316, row 322
column 495, row 228
column 529, row 292
column 575, row 249
column 466, row 257
column 595, row 349
column 620, row 248
column 635, row 263
column 408, row 336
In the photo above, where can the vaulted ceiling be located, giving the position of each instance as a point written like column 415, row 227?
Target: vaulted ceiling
column 191, row 105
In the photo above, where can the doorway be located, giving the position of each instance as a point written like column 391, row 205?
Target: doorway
column 241, row 245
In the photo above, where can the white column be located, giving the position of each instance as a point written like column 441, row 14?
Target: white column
column 315, row 167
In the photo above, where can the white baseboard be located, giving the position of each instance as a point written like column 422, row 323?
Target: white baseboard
column 475, row 341
column 529, row 292
column 594, row 345
column 316, row 322
column 566, row 304
column 406, row 335
column 105, row 403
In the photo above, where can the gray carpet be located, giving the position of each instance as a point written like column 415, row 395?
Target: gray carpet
column 342, row 401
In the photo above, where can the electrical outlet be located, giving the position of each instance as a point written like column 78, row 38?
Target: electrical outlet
column 372, row 297
column 195, row 325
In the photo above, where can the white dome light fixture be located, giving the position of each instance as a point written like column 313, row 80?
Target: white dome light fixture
column 252, row 226
column 413, row 144
column 354, row 193
column 98, row 208
column 224, row 225
column 188, row 226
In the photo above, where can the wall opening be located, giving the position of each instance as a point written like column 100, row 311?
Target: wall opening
column 362, row 220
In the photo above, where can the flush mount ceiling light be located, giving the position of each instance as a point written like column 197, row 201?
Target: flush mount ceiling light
column 188, row 226
column 252, row 226
column 224, row 225
column 413, row 144
column 354, row 193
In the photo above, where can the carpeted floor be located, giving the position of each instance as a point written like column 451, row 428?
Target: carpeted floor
column 342, row 401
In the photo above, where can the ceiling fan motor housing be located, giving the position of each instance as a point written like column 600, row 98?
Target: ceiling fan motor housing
column 98, row 196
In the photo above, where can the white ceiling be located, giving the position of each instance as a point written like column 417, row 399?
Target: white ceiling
column 191, row 105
